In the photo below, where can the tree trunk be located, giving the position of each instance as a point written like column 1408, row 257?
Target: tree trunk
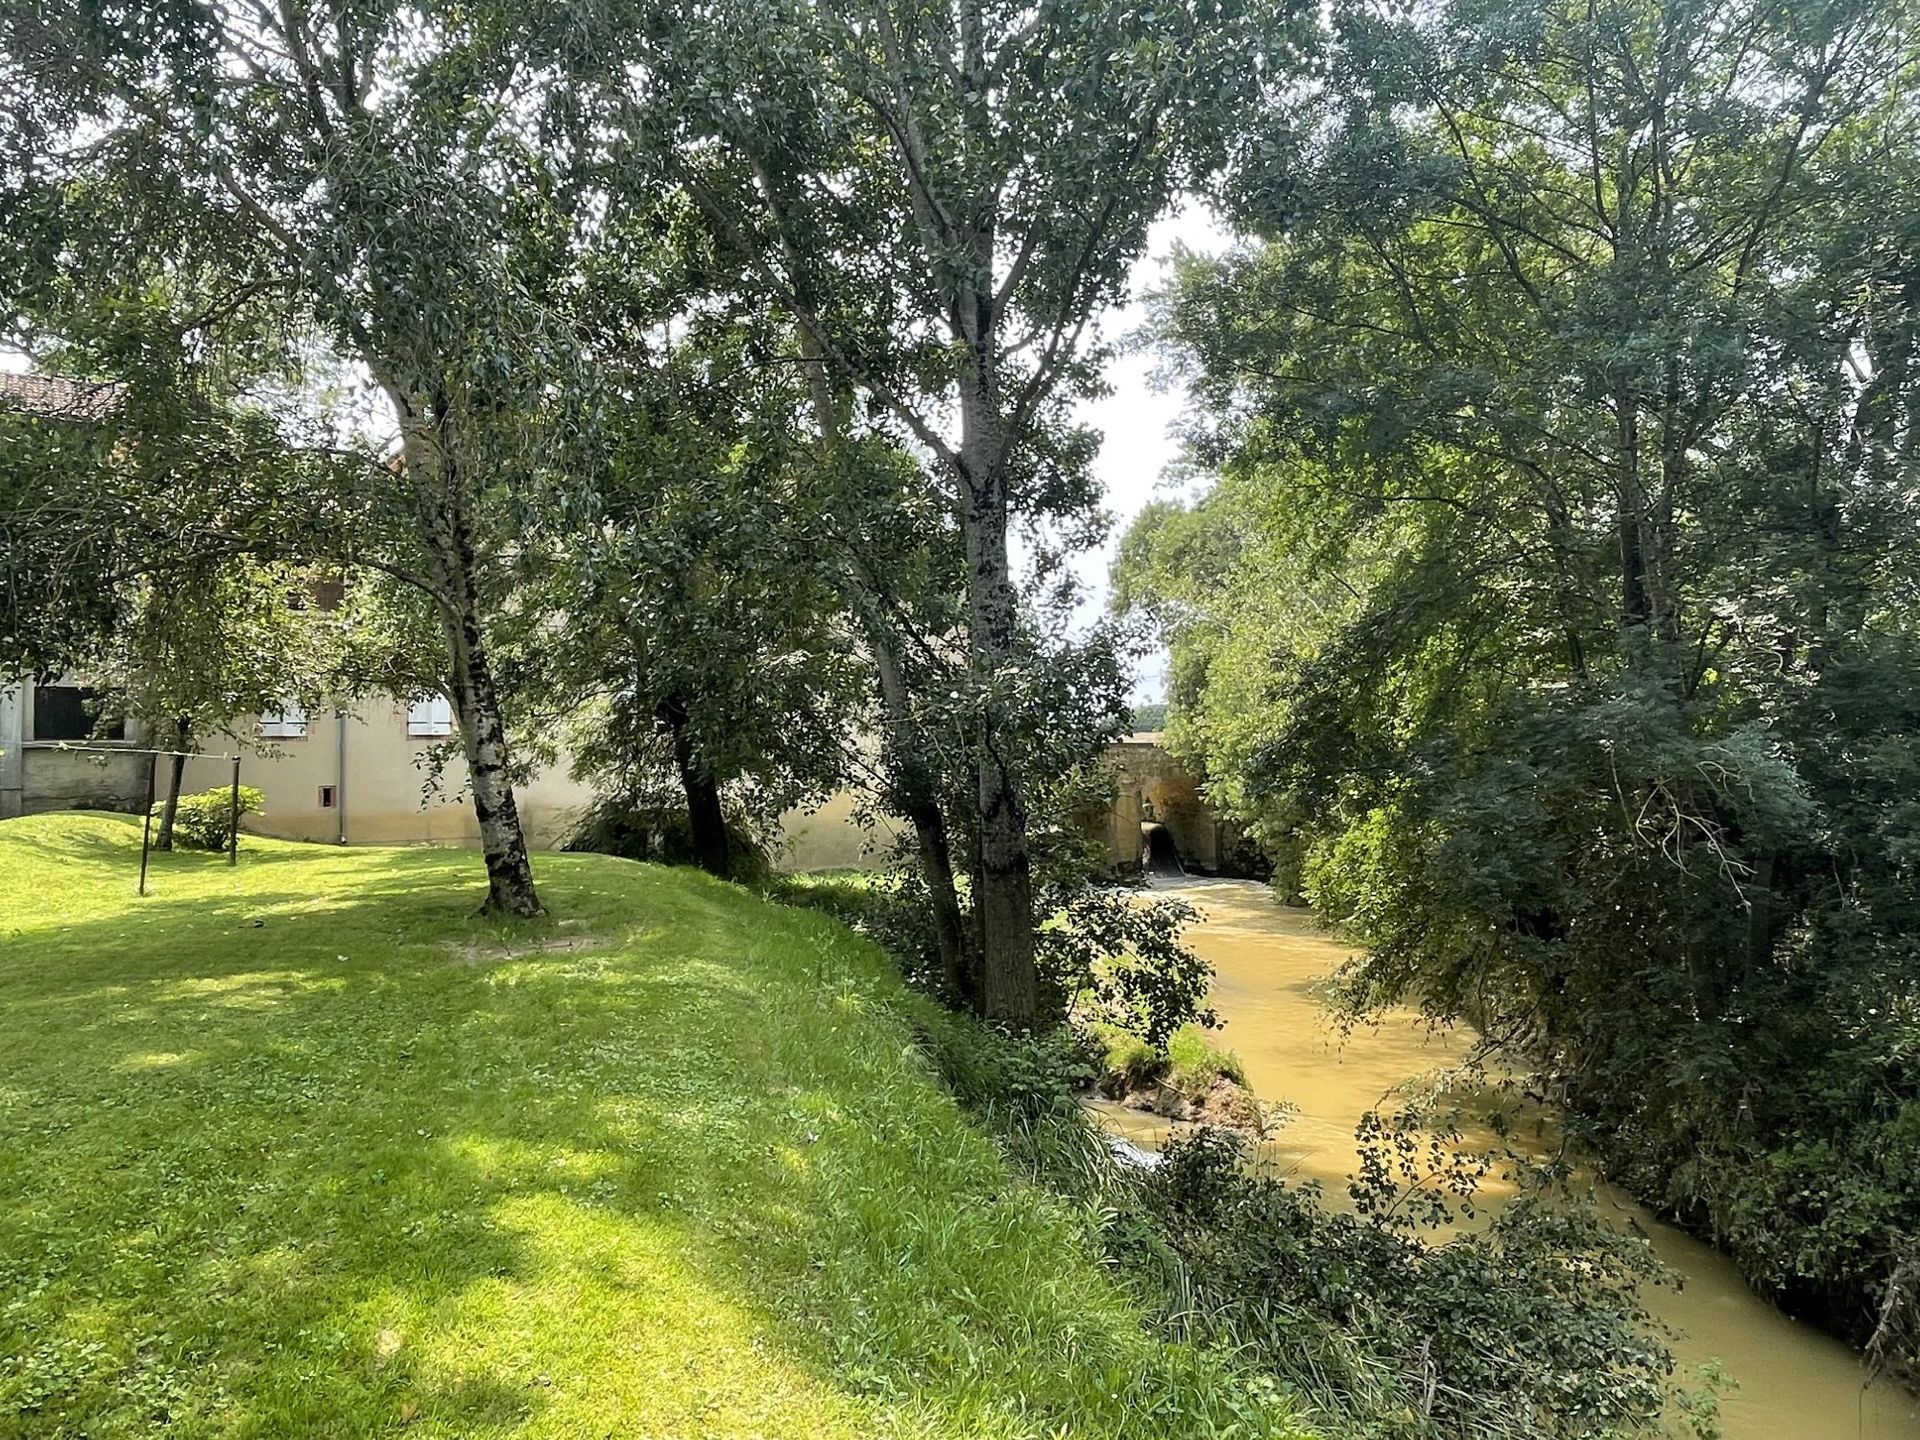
column 706, row 819
column 1003, row 901
column 916, row 796
column 918, row 800
column 434, row 469
column 1634, row 602
column 483, row 737
column 176, row 772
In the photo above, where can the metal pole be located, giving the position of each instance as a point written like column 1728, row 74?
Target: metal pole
column 233, row 817
column 146, row 820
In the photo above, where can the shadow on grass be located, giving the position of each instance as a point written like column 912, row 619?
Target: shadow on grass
column 314, row 1177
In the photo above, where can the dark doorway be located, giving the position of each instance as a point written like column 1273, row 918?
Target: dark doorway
column 71, row 712
column 1161, row 856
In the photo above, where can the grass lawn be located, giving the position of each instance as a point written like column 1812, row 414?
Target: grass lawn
column 306, row 1149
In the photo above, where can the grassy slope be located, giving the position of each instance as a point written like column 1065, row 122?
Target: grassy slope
column 306, row 1149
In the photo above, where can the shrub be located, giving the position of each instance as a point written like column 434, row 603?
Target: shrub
column 615, row 825
column 989, row 1069
column 205, row 821
column 1117, row 956
column 1528, row 1328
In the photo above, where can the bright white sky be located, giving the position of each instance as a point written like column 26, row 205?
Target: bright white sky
column 1137, row 421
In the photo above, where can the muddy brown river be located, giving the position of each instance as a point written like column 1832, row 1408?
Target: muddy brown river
column 1793, row 1383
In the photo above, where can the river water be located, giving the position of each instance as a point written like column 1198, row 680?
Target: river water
column 1793, row 1383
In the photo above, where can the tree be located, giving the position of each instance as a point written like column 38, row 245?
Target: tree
column 698, row 610
column 945, row 199
column 378, row 173
column 125, row 566
column 1558, row 559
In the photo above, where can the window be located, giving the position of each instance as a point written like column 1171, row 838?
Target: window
column 326, row 797
column 285, row 722
column 71, row 712
column 430, row 717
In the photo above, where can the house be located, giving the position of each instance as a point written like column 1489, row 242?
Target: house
column 40, row 769
column 342, row 776
column 39, row 724
column 363, row 775
column 360, row 776
column 347, row 776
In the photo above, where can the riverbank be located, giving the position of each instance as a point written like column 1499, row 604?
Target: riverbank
column 1193, row 1082
column 1269, row 961
column 304, row 1148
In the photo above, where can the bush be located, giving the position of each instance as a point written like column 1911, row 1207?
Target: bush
column 1116, row 956
column 1529, row 1328
column 662, row 834
column 205, row 821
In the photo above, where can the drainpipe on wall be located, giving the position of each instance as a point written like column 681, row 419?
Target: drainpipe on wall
column 340, row 775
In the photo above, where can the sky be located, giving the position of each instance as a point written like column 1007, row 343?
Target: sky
column 1136, row 421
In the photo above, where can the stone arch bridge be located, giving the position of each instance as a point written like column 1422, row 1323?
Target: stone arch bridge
column 1158, row 819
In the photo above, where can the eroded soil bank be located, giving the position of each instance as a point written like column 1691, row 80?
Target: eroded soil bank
column 1794, row 1383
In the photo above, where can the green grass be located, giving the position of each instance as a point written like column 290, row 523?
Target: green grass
column 1198, row 1062
column 306, row 1149
column 1191, row 1064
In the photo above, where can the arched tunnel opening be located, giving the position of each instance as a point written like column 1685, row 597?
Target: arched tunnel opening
column 1159, row 855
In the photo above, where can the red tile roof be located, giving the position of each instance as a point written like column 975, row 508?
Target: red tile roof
column 55, row 397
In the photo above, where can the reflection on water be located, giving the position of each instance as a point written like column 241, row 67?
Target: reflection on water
column 1794, row 1383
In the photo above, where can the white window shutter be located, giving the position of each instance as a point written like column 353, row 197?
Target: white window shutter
column 285, row 722
column 429, row 718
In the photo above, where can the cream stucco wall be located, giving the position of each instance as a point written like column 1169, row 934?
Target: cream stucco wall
column 828, row 838
column 379, row 774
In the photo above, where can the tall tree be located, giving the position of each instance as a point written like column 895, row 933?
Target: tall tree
column 1560, row 556
column 379, row 171
column 946, row 198
column 698, row 610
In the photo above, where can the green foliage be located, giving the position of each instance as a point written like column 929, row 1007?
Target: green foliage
column 992, row 1071
column 1149, row 717
column 1106, row 954
column 1553, row 614
column 703, row 640
column 307, row 199
column 1118, row 959
column 944, row 203
column 1187, row 1060
column 1130, row 1061
column 1530, row 1328
column 1527, row 1328
column 205, row 821
column 892, row 909
column 1197, row 1062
